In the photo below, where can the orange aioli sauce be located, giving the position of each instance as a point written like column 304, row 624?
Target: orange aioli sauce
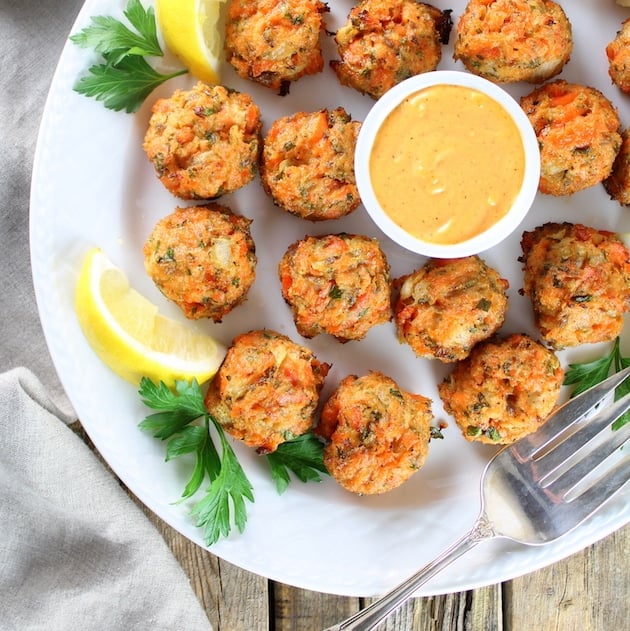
column 447, row 163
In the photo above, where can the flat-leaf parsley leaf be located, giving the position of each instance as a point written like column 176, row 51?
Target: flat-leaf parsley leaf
column 228, row 482
column 124, row 79
column 107, row 35
column 587, row 374
column 181, row 419
column 302, row 455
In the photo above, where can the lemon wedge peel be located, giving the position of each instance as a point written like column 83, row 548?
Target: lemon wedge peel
column 193, row 32
column 129, row 335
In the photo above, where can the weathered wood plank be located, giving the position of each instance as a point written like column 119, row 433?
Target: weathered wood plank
column 303, row 610
column 234, row 600
column 465, row 611
column 588, row 591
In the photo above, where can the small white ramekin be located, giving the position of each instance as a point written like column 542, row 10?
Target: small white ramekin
column 496, row 232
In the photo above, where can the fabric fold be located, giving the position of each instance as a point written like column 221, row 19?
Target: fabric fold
column 76, row 552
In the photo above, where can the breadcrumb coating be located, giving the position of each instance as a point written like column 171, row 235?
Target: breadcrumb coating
column 337, row 285
column 307, row 164
column 578, row 133
column 444, row 308
column 267, row 389
column 275, row 42
column 578, row 281
column 386, row 41
column 203, row 258
column 504, row 390
column 378, row 434
column 618, row 52
column 514, row 40
column 204, row 142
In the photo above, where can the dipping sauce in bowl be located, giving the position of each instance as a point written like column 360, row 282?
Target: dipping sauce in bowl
column 447, row 164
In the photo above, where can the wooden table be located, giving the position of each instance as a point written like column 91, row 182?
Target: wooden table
column 589, row 591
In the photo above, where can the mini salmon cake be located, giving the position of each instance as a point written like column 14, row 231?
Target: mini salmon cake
column 307, row 164
column 504, row 390
column 203, row 259
column 514, row 40
column 204, row 142
column 444, row 308
column 377, row 434
column 578, row 134
column 578, row 281
column 275, row 42
column 267, row 390
column 618, row 182
column 386, row 41
column 336, row 284
column 618, row 53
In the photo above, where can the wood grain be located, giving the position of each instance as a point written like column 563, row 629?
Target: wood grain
column 303, row 610
column 589, row 591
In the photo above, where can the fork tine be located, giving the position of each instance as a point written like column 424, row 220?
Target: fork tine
column 567, row 415
column 562, row 453
column 581, row 470
column 601, row 491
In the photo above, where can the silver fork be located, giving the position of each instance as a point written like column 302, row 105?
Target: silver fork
column 537, row 489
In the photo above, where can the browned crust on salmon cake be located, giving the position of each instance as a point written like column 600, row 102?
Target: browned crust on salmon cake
column 578, row 281
column 617, row 184
column 384, row 42
column 307, row 164
column 275, row 42
column 337, row 285
column 446, row 307
column 267, row 389
column 204, row 142
column 577, row 129
column 203, row 258
column 504, row 390
column 618, row 53
column 377, row 434
column 514, row 40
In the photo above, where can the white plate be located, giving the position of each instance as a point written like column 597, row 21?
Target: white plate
column 92, row 185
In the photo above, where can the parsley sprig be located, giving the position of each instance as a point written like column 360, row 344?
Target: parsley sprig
column 184, row 422
column 587, row 374
column 302, row 456
column 124, row 79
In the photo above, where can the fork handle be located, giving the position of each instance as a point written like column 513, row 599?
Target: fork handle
column 368, row 618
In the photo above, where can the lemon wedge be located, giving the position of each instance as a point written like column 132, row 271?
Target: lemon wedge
column 126, row 331
column 193, row 32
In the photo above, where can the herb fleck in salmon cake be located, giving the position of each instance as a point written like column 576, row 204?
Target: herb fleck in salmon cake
column 578, row 281
column 514, row 40
column 336, row 284
column 307, row 164
column 386, row 41
column 578, row 133
column 275, row 42
column 504, row 390
column 202, row 258
column 444, row 308
column 267, row 390
column 377, row 434
column 204, row 142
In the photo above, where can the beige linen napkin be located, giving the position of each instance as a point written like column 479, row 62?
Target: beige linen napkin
column 75, row 551
column 32, row 35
